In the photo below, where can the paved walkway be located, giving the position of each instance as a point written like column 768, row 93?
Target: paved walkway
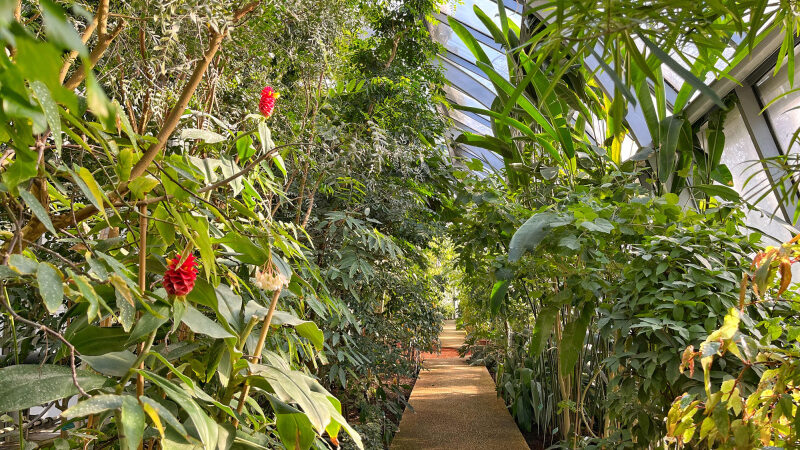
column 456, row 407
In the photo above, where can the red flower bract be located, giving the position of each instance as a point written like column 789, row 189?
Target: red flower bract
column 180, row 280
column 267, row 103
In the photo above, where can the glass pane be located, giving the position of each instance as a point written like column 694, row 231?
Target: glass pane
column 740, row 155
column 628, row 148
column 772, row 228
column 443, row 34
column 690, row 51
column 464, row 12
column 457, row 96
column 470, row 122
column 784, row 114
column 462, row 80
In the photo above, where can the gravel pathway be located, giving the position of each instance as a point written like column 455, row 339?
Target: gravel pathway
column 456, row 407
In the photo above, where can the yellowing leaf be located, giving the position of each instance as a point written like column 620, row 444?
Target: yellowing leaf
column 99, row 104
column 142, row 185
column 727, row 385
column 706, row 427
column 154, row 417
column 91, row 189
column 119, row 283
column 729, row 327
column 735, row 402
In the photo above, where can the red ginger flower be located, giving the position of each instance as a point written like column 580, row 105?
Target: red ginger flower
column 267, row 103
column 180, row 280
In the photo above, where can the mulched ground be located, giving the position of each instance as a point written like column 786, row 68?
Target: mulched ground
column 447, row 352
column 534, row 440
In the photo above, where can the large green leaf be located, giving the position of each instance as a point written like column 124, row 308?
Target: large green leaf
column 526, row 130
column 569, row 349
column 670, row 131
column 248, row 252
column 95, row 404
column 203, row 293
column 468, row 40
column 115, row 364
column 265, row 136
column 37, row 209
column 499, row 291
column 51, row 286
column 132, row 422
column 542, row 329
column 59, row 30
column 94, row 340
column 717, row 190
column 643, row 94
column 530, row 234
column 201, row 324
column 716, row 138
column 27, row 385
column 209, row 137
column 292, row 386
column 203, row 241
column 229, row 306
column 99, row 104
column 305, row 328
column 293, row 426
column 206, row 428
column 488, row 142
column 337, row 420
column 22, row 264
column 50, row 110
column 490, row 25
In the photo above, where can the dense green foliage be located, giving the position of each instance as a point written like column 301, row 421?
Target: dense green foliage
column 607, row 273
column 150, row 144
column 620, row 302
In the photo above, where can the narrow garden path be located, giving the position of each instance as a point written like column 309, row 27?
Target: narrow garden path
column 455, row 407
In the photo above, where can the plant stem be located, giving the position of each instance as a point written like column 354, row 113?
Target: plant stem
column 259, row 348
column 246, row 333
column 139, row 363
column 142, row 286
column 142, row 247
column 239, row 347
column 16, row 361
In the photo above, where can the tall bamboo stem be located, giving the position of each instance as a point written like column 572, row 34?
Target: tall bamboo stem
column 142, row 286
column 142, row 281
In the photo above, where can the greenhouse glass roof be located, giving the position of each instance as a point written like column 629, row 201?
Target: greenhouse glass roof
column 753, row 135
